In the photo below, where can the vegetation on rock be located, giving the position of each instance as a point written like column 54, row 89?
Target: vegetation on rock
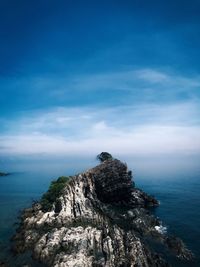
column 53, row 193
column 104, row 156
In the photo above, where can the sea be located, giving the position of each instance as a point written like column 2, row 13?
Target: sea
column 175, row 182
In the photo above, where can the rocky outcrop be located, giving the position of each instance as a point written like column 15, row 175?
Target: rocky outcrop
column 4, row 173
column 99, row 220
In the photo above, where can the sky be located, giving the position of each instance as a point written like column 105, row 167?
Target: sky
column 81, row 77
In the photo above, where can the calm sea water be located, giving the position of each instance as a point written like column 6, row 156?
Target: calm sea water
column 178, row 192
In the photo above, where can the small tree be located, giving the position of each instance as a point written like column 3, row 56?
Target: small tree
column 104, row 156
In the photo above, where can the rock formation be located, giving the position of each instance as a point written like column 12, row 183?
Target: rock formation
column 3, row 174
column 99, row 220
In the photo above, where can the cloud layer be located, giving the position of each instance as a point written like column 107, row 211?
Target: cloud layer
column 150, row 129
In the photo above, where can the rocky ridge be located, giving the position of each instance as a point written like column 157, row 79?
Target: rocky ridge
column 100, row 220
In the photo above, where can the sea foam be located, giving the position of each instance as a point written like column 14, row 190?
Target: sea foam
column 161, row 229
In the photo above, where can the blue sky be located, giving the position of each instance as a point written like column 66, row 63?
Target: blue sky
column 80, row 77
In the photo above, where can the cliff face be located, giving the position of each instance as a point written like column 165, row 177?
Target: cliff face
column 99, row 220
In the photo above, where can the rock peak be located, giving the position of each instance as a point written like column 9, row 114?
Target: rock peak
column 98, row 219
column 112, row 181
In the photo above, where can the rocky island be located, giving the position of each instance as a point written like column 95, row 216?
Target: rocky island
column 96, row 219
column 4, row 173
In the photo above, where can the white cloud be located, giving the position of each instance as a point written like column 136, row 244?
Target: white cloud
column 125, row 80
column 137, row 82
column 131, row 130
column 146, row 140
column 152, row 76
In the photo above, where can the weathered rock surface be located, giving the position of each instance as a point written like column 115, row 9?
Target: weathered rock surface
column 101, row 221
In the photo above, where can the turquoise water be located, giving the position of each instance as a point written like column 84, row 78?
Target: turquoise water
column 178, row 191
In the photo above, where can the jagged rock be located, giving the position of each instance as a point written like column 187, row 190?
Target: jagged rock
column 178, row 247
column 140, row 198
column 112, row 182
column 99, row 220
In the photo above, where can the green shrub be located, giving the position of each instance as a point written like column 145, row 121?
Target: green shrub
column 104, row 156
column 53, row 193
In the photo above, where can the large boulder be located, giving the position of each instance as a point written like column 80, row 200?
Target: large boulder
column 112, row 181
